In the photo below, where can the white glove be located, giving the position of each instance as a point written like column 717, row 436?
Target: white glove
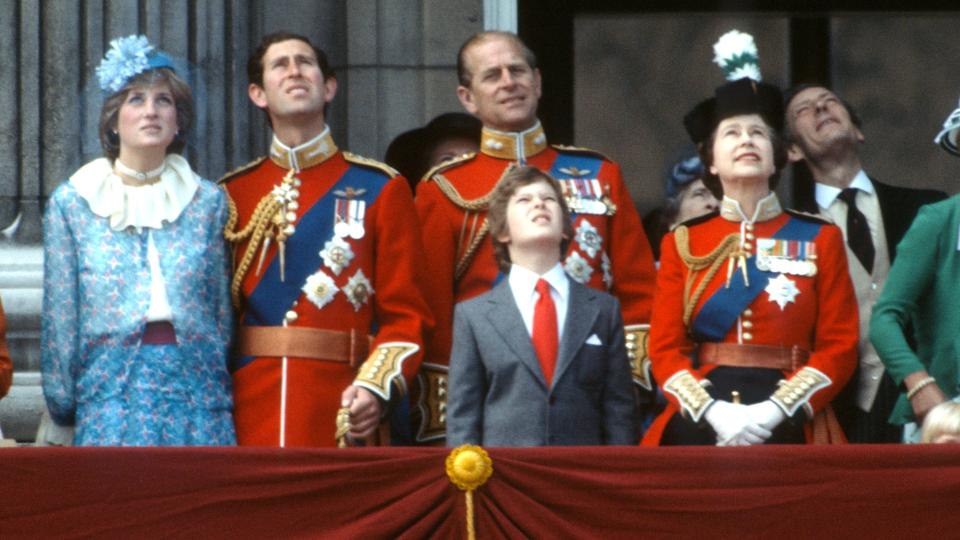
column 766, row 414
column 733, row 425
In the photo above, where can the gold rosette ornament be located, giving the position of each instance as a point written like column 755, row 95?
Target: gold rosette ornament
column 468, row 468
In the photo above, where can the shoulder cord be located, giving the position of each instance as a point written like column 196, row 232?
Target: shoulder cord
column 712, row 261
column 255, row 229
column 468, row 205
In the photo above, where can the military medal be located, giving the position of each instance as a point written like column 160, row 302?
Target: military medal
column 358, row 290
column 349, row 213
column 782, row 290
column 588, row 238
column 336, row 254
column 792, row 257
column 605, row 266
column 577, row 267
column 319, row 289
column 358, row 210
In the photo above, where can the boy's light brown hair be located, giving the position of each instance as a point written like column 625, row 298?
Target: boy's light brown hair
column 497, row 212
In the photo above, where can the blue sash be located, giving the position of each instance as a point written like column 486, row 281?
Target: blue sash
column 271, row 298
column 720, row 311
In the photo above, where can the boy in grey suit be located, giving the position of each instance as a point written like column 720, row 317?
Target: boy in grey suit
column 532, row 369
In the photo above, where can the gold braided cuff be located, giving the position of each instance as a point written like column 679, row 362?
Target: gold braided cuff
column 636, row 338
column 693, row 398
column 384, row 368
column 796, row 393
column 432, row 402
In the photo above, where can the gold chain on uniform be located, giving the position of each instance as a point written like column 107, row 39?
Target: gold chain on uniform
column 714, row 260
column 265, row 214
column 469, row 205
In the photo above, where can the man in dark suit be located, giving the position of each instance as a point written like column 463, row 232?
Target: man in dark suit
column 540, row 359
column 823, row 131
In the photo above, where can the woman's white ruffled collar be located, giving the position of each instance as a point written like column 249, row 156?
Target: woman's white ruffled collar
column 136, row 206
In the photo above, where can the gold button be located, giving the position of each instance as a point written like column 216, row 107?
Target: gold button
column 750, row 236
column 747, row 336
column 748, row 312
column 748, row 246
column 291, row 316
column 747, row 324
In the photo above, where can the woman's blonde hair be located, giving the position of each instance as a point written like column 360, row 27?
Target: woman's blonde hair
column 944, row 419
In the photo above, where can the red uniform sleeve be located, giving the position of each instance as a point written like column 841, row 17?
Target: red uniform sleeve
column 670, row 345
column 401, row 312
column 631, row 259
column 439, row 263
column 837, row 325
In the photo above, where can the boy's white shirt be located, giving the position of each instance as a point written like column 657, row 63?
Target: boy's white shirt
column 523, row 285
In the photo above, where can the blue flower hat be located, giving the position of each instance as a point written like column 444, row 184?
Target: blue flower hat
column 128, row 57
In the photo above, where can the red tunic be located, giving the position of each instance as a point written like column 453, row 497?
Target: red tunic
column 387, row 255
column 609, row 252
column 820, row 316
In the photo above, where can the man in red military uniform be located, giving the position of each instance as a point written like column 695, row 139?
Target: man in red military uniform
column 326, row 261
column 500, row 84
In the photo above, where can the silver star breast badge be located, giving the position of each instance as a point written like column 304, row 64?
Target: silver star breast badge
column 782, row 290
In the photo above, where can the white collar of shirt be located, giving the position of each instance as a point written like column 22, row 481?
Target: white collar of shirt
column 827, row 194
column 523, row 285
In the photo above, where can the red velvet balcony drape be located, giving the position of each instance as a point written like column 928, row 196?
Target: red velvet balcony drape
column 807, row 492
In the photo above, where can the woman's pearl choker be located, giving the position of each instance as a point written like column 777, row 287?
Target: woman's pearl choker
column 143, row 177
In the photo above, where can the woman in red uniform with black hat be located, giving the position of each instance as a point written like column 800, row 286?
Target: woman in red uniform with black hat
column 754, row 325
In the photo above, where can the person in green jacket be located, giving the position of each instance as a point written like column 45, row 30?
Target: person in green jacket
column 915, row 326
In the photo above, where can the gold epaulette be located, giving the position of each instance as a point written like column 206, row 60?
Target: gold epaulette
column 580, row 150
column 817, row 218
column 372, row 163
column 240, row 170
column 446, row 164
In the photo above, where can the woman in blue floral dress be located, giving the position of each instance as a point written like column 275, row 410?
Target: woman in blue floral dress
column 136, row 319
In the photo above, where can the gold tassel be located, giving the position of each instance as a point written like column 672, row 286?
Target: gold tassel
column 343, row 427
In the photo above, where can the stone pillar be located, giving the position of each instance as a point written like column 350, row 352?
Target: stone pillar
column 401, row 65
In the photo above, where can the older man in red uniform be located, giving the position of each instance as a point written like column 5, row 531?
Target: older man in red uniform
column 327, row 250
column 500, row 84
